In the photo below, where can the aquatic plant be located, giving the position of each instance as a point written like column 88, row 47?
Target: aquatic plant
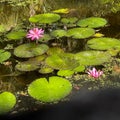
column 94, row 73
column 7, row 102
column 35, row 34
column 50, row 90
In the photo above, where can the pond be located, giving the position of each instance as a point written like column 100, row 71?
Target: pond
column 51, row 50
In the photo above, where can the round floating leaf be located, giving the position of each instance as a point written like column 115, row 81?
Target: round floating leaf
column 16, row 35
column 46, row 69
column 63, row 10
column 104, row 43
column 45, row 38
column 45, row 18
column 52, row 90
column 61, row 62
column 55, row 50
column 92, row 22
column 30, row 50
column 92, row 57
column 27, row 66
column 69, row 20
column 80, row 68
column 65, row 73
column 7, row 102
column 58, row 33
column 80, row 33
column 4, row 55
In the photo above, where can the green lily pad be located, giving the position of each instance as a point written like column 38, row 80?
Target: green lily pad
column 52, row 90
column 58, row 33
column 80, row 33
column 92, row 57
column 45, row 38
column 7, row 102
column 92, row 22
column 61, row 62
column 65, row 73
column 46, row 18
column 69, row 20
column 104, row 43
column 27, row 66
column 55, row 50
column 30, row 50
column 4, row 55
column 62, row 10
column 80, row 68
column 16, row 35
column 46, row 69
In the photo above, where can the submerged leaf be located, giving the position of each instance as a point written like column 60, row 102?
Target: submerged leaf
column 52, row 90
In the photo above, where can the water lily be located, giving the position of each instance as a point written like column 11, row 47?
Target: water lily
column 35, row 34
column 94, row 73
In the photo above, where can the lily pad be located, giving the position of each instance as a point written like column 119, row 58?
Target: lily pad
column 80, row 33
column 58, row 33
column 69, row 20
column 46, row 69
column 46, row 18
column 61, row 62
column 4, row 55
column 92, row 22
column 104, row 43
column 45, row 38
column 27, row 66
column 92, row 57
column 16, row 35
column 55, row 50
column 79, row 68
column 50, row 90
column 62, row 10
column 7, row 102
column 65, row 73
column 30, row 50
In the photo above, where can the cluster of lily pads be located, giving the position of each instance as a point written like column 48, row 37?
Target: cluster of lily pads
column 45, row 59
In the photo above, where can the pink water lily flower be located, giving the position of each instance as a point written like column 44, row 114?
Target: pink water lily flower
column 35, row 34
column 94, row 73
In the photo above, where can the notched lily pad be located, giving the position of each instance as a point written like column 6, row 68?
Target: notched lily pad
column 46, row 18
column 92, row 57
column 62, row 10
column 55, row 50
column 30, row 50
column 92, row 22
column 50, row 90
column 7, row 102
column 80, row 33
column 69, row 20
column 45, row 38
column 45, row 69
column 16, row 35
column 65, row 73
column 4, row 55
column 58, row 33
column 27, row 66
column 61, row 62
column 104, row 43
